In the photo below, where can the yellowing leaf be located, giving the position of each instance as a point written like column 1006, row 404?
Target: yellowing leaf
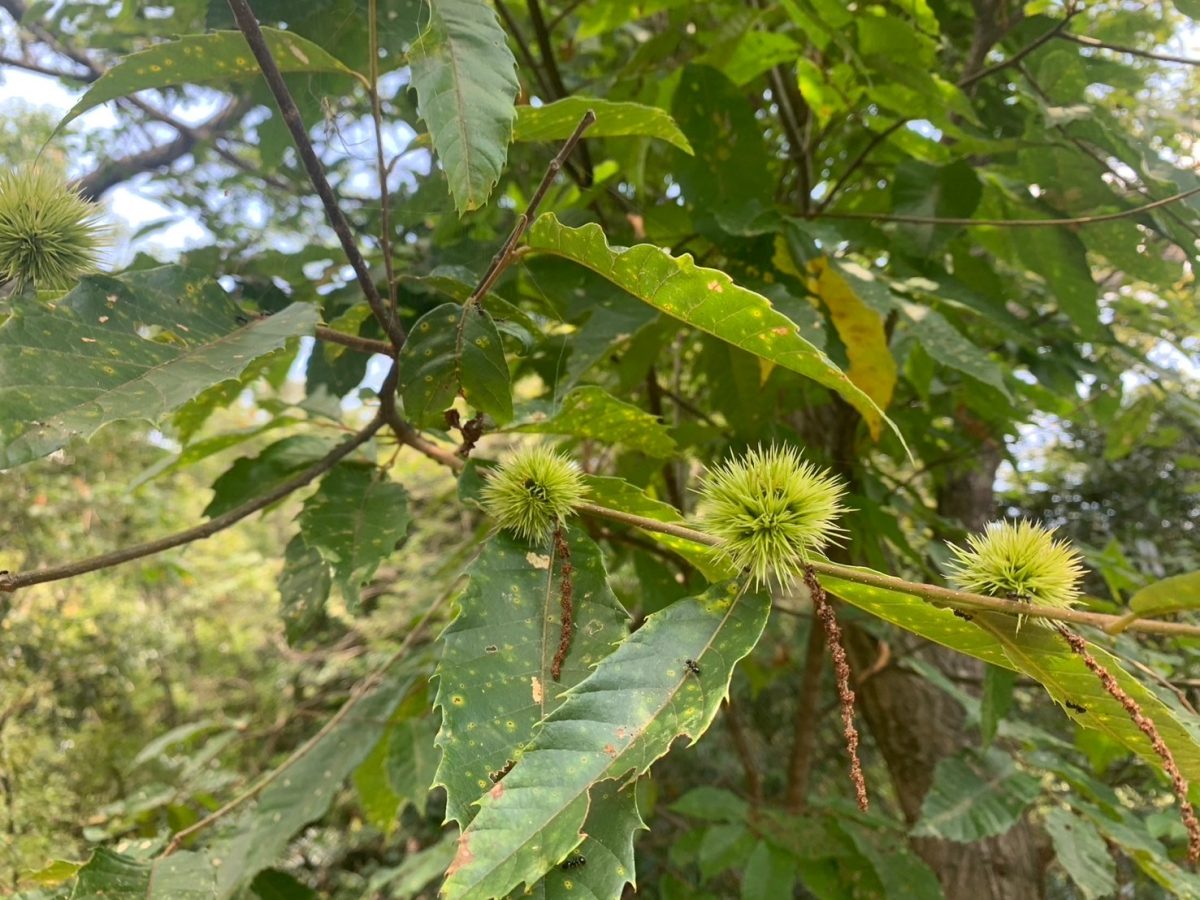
column 872, row 367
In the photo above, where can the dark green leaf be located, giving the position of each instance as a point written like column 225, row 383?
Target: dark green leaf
column 996, row 700
column 728, row 183
column 769, row 873
column 946, row 344
column 134, row 346
column 253, row 475
column 412, row 760
column 354, row 520
column 304, row 583
column 454, row 350
column 272, row 884
column 466, row 84
column 707, row 299
column 951, row 191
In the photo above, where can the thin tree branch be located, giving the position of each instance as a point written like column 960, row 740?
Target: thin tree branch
column 877, row 138
column 353, row 341
column 385, row 224
column 360, row 691
column 654, row 395
column 563, row 13
column 115, row 171
column 940, row 596
column 1132, row 51
column 504, row 255
column 248, row 25
column 1050, row 34
column 29, row 66
column 541, row 34
column 12, row 581
column 1010, row 223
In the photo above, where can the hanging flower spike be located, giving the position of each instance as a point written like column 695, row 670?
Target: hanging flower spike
column 1020, row 561
column 772, row 511
column 49, row 234
column 533, row 491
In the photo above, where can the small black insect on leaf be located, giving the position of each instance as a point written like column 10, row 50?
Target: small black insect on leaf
column 963, row 615
column 692, row 667
column 1074, row 706
column 574, row 862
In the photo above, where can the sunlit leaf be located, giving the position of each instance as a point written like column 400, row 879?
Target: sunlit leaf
column 707, row 299
column 1043, row 655
column 592, row 412
column 555, row 121
column 1179, row 592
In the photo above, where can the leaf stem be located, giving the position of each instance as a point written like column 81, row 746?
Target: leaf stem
column 248, row 25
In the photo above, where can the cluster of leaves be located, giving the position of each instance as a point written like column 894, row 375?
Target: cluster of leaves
column 819, row 225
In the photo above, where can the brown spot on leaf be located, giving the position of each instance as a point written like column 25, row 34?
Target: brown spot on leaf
column 610, row 750
column 463, row 855
column 538, row 692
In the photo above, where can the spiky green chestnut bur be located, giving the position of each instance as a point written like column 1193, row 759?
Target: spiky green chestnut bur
column 1019, row 561
column 533, row 492
column 49, row 234
column 772, row 511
